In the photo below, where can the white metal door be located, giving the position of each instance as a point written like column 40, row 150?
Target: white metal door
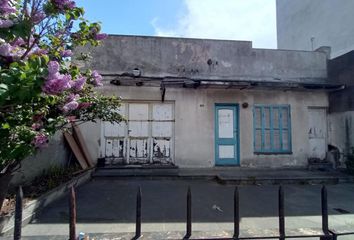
column 317, row 132
column 114, row 139
column 162, row 132
column 146, row 138
column 138, row 133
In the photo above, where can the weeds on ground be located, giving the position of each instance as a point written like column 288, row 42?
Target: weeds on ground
column 48, row 180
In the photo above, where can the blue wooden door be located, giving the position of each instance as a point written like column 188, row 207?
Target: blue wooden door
column 226, row 135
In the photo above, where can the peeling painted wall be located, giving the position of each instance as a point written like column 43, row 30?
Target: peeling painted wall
column 194, row 123
column 146, row 137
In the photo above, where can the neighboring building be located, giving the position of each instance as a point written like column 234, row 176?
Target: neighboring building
column 341, row 107
column 310, row 24
column 205, row 103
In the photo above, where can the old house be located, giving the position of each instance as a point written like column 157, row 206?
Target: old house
column 206, row 103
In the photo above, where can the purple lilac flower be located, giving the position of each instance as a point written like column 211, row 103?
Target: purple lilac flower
column 18, row 42
column 39, row 51
column 37, row 117
column 38, row 17
column 70, row 4
column 36, row 126
column 40, row 140
column 66, row 53
column 79, row 83
column 64, row 4
column 58, row 84
column 97, row 78
column 70, row 106
column 6, row 23
column 100, row 36
column 84, row 105
column 32, row 39
column 17, row 52
column 72, row 97
column 53, row 68
column 5, row 50
column 6, row 8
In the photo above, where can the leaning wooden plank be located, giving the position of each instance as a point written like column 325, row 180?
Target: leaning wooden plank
column 76, row 150
column 80, row 140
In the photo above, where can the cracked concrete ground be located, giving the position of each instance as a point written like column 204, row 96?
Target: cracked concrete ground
column 106, row 210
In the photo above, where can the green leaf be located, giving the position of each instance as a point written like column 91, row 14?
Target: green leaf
column 3, row 88
column 23, row 29
column 5, row 126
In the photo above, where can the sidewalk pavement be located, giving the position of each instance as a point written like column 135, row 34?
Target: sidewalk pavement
column 106, row 210
column 235, row 175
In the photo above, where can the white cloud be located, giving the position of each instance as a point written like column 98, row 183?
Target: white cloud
column 251, row 20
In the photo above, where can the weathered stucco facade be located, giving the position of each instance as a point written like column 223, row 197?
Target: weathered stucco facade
column 194, row 123
column 195, row 75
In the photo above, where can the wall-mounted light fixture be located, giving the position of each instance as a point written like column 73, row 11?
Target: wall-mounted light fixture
column 136, row 72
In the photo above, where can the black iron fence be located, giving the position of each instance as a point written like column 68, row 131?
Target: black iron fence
column 327, row 233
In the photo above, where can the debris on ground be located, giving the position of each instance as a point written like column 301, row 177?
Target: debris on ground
column 217, row 208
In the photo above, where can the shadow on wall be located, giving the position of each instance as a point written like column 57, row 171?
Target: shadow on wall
column 56, row 154
column 341, row 132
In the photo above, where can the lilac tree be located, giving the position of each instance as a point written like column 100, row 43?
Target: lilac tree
column 41, row 89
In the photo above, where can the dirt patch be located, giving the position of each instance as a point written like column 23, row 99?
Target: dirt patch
column 49, row 180
column 9, row 205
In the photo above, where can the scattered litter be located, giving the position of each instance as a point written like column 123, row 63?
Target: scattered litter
column 217, row 208
column 83, row 236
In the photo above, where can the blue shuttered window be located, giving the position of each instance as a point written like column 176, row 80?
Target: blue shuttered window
column 272, row 129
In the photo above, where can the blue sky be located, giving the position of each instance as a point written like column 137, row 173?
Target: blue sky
column 252, row 20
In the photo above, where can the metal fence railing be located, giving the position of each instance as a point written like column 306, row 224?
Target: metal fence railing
column 327, row 233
